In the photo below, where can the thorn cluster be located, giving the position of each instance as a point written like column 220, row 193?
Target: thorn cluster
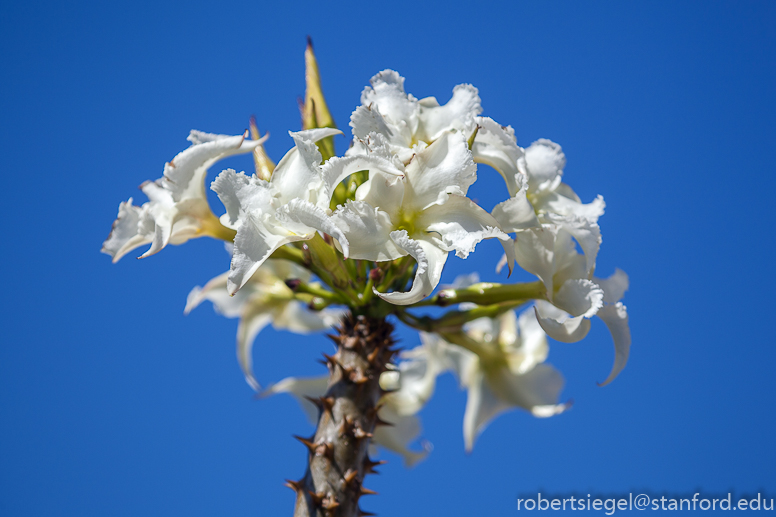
column 348, row 414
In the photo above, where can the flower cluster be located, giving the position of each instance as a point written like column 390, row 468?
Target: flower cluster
column 370, row 232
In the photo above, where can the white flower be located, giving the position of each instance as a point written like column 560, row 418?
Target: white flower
column 502, row 368
column 615, row 315
column 406, row 123
column 265, row 299
column 178, row 209
column 533, row 177
column 424, row 214
column 292, row 206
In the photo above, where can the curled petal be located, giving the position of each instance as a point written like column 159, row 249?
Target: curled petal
column 297, row 318
column 444, row 167
column 462, row 224
column 387, row 96
column 579, row 297
column 396, row 437
column 586, row 232
column 615, row 286
column 254, row 319
column 516, row 213
column 366, row 120
column 298, row 174
column 133, row 228
column 257, row 238
column 384, row 192
column 337, row 169
column 241, row 194
column 215, row 291
column 184, row 175
column 543, row 164
column 559, row 325
column 489, row 395
column 431, row 260
column 495, row 145
column 368, row 231
column 554, row 202
column 616, row 319
column 457, row 114
column 535, row 252
column 303, row 218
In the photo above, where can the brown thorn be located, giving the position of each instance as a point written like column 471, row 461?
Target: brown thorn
column 296, row 486
column 327, row 403
column 349, row 476
column 373, row 355
column 324, row 449
column 360, row 434
column 307, row 443
column 316, row 401
column 366, row 491
column 329, row 503
column 316, row 497
column 346, row 427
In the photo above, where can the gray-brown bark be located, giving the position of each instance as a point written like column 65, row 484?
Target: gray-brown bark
column 337, row 452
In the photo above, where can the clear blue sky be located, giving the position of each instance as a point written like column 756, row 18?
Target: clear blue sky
column 114, row 403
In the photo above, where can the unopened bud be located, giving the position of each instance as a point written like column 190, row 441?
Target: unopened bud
column 293, row 283
column 376, row 275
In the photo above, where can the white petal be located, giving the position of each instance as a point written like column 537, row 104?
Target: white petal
column 587, row 233
column 337, row 169
column 256, row 317
column 457, row 114
column 418, row 370
column 255, row 241
column 397, row 437
column 462, row 224
column 368, row 232
column 559, row 325
column 301, row 389
column 298, row 174
column 297, row 318
column 482, row 405
column 303, row 218
column 616, row 319
column 398, row 109
column 184, row 175
column 579, row 297
column 495, row 145
column 133, row 228
column 516, row 213
column 242, row 194
column 365, row 120
column 615, row 286
column 431, row 260
column 543, row 164
column 535, row 252
column 444, row 167
column 497, row 391
column 215, row 291
column 383, row 192
column 200, row 137
column 556, row 203
column 533, row 341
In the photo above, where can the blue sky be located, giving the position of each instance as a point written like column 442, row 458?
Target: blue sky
column 114, row 403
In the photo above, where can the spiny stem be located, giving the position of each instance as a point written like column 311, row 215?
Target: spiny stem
column 337, row 452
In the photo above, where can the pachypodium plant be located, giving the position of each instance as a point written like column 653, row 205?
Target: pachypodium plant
column 357, row 243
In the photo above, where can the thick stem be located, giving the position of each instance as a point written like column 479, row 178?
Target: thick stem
column 337, row 452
